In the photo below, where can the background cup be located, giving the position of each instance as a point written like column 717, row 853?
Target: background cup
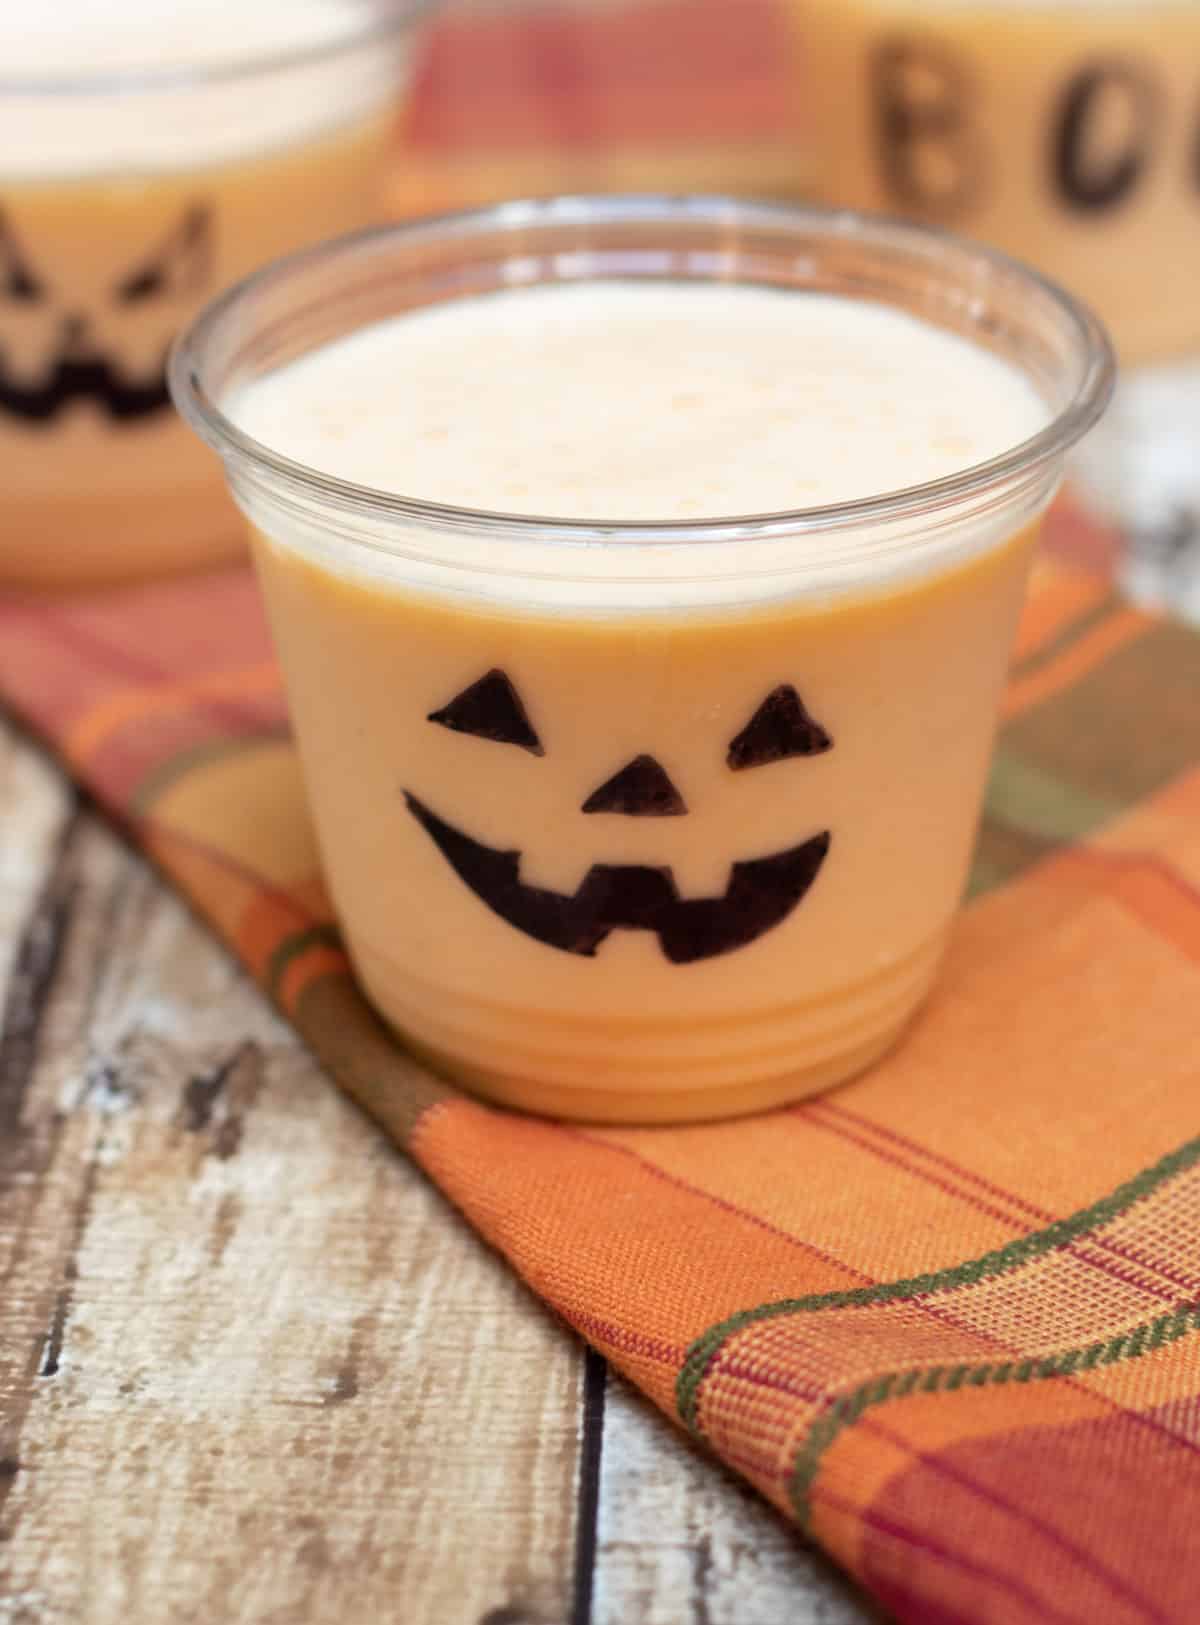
column 138, row 196
column 1067, row 133
column 1057, row 130
column 807, row 900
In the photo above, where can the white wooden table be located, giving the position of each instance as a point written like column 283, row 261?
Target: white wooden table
column 253, row 1367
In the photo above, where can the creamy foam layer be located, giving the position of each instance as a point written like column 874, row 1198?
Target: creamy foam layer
column 121, row 36
column 640, row 401
column 644, row 401
column 225, row 112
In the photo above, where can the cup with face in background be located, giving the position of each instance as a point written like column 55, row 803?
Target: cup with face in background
column 643, row 573
column 1065, row 132
column 149, row 155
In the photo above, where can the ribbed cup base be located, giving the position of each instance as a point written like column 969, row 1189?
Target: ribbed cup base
column 641, row 1070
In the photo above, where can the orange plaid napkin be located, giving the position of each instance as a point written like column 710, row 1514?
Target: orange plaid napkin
column 948, row 1317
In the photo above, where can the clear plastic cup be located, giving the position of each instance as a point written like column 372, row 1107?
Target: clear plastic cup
column 632, row 997
column 127, row 200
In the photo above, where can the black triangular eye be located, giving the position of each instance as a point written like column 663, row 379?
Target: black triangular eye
column 181, row 264
column 781, row 727
column 491, row 709
column 17, row 281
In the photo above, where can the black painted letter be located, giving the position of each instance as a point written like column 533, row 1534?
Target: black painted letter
column 1103, row 132
column 927, row 152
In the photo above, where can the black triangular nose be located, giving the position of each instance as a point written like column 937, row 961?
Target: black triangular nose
column 642, row 789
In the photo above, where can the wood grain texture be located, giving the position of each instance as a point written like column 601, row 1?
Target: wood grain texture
column 682, row 1542
column 253, row 1368
column 256, row 1368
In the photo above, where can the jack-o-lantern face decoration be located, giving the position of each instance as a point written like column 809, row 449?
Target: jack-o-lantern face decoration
column 760, row 894
column 78, row 366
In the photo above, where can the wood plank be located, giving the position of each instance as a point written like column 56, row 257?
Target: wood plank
column 36, row 822
column 259, row 1370
column 35, row 803
column 682, row 1542
column 1139, row 469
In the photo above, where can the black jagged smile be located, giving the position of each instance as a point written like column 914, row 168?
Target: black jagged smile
column 80, row 369
column 761, row 893
column 84, row 375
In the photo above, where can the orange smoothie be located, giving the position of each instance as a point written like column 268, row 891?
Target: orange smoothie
column 121, row 211
column 619, row 912
column 1063, row 131
column 667, row 861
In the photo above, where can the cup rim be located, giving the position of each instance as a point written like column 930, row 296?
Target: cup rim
column 372, row 28
column 1092, row 390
